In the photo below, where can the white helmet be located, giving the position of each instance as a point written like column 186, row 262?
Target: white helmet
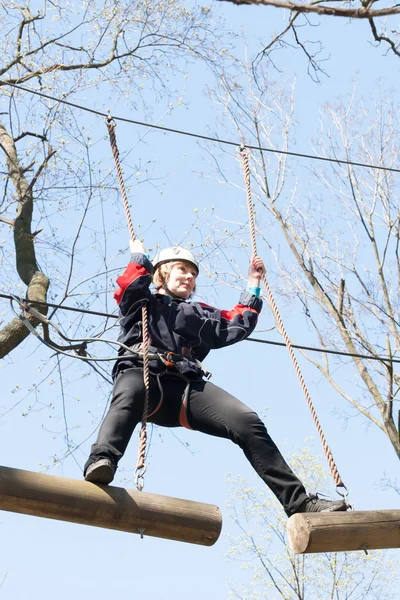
column 176, row 253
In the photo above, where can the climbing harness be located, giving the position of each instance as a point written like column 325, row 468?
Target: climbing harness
column 279, row 323
column 170, row 360
column 141, row 461
column 167, row 358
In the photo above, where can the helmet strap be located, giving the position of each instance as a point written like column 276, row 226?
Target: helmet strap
column 167, row 290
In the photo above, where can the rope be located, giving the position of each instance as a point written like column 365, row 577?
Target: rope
column 329, row 457
column 113, row 141
column 141, row 460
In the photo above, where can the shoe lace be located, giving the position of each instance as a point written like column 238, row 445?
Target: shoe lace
column 316, row 498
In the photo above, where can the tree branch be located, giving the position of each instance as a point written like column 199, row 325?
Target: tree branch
column 361, row 409
column 32, row 134
column 382, row 38
column 333, row 11
column 10, row 222
column 15, row 332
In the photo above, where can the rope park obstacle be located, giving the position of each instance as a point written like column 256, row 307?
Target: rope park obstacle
column 171, row 518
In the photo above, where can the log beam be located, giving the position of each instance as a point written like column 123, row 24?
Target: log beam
column 108, row 506
column 343, row 531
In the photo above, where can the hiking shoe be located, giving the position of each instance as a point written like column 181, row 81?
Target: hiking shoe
column 314, row 504
column 102, row 471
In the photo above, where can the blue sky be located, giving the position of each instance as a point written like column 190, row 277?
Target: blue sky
column 47, row 559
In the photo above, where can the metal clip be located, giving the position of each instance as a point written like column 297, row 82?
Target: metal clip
column 344, row 494
column 139, row 474
column 109, row 120
column 20, row 301
column 164, row 359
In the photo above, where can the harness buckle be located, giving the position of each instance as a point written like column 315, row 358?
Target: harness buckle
column 169, row 359
column 204, row 371
column 166, row 359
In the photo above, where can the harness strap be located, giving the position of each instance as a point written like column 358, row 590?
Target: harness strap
column 183, row 420
column 166, row 357
column 184, row 406
column 160, row 402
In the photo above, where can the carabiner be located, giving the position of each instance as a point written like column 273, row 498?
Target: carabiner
column 109, row 120
column 344, row 495
column 139, row 474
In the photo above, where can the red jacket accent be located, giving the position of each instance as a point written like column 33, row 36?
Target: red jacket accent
column 238, row 310
column 131, row 273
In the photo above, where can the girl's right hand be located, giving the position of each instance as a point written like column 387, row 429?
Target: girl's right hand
column 136, row 246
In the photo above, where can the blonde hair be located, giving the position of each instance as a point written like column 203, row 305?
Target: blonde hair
column 161, row 274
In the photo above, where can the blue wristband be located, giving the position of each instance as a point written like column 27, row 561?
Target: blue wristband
column 254, row 290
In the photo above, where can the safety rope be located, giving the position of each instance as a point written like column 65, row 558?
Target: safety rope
column 141, row 460
column 329, row 457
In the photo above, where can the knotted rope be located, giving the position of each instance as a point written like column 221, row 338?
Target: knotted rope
column 329, row 457
column 141, row 460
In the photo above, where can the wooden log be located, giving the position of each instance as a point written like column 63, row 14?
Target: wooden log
column 108, row 506
column 343, row 531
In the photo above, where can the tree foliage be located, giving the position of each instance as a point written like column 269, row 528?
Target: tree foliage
column 340, row 225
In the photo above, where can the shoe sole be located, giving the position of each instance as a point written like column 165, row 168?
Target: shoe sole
column 102, row 474
column 337, row 508
column 341, row 508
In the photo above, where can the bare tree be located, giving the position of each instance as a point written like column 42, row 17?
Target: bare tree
column 298, row 22
column 60, row 216
column 340, row 224
column 63, row 50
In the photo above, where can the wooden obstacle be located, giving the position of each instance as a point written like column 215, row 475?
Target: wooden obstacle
column 344, row 531
column 107, row 506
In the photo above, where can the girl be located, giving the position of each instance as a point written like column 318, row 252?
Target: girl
column 181, row 335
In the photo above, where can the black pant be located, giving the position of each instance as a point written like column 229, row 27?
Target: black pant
column 210, row 410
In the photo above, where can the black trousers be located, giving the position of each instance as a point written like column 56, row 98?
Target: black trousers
column 209, row 409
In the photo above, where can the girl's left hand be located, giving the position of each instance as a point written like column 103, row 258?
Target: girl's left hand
column 256, row 267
